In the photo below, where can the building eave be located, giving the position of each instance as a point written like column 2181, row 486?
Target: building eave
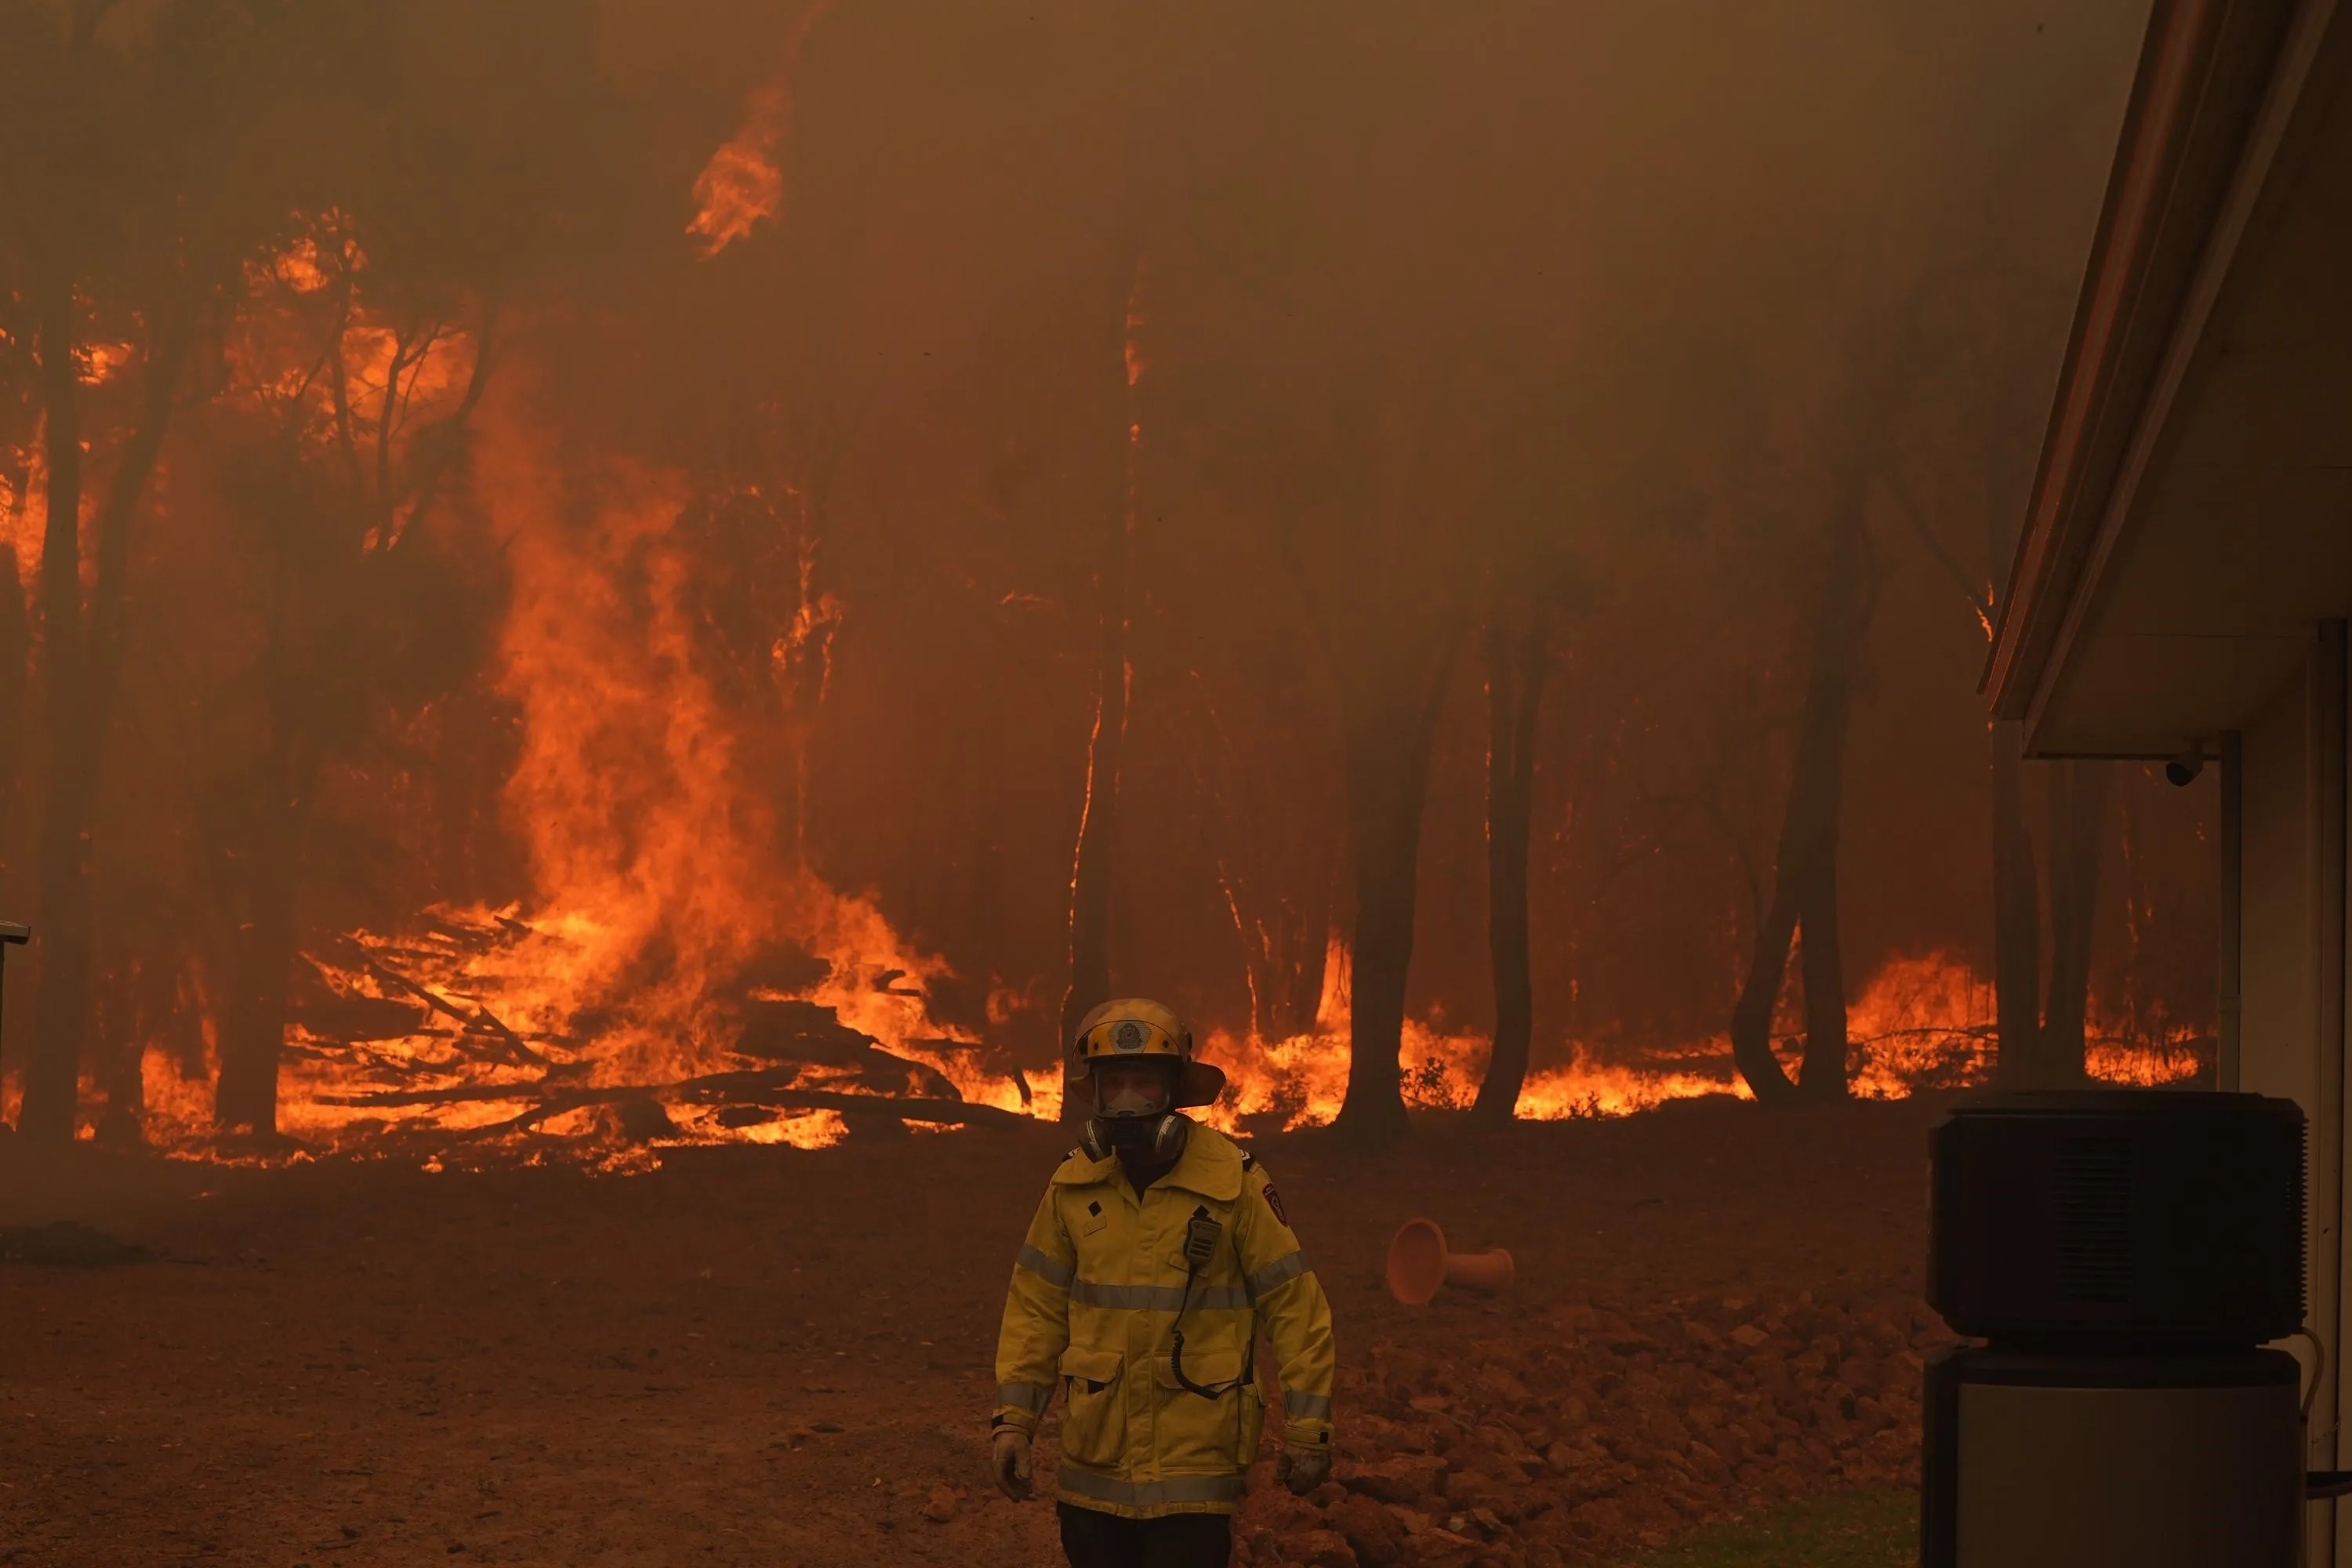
column 2210, row 79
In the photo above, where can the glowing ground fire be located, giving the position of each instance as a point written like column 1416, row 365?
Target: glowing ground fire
column 498, row 1058
column 1923, row 1023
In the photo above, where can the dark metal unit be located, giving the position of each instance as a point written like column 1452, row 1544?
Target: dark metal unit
column 2126, row 1253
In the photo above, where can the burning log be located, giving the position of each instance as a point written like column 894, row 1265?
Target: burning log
column 339, row 1012
column 764, row 1089
column 336, row 1012
column 481, row 1021
column 792, row 1031
column 358, row 1019
column 459, row 970
column 772, row 1088
column 887, row 984
column 645, row 1119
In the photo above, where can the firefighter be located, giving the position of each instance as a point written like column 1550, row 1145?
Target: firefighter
column 1159, row 1249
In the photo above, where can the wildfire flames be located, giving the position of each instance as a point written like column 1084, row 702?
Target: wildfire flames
column 679, row 978
column 674, row 978
column 680, row 975
column 1922, row 1023
column 510, row 1005
column 742, row 186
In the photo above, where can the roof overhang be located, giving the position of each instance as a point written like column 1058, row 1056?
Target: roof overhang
column 2191, row 518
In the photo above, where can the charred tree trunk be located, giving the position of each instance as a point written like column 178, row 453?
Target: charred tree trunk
column 1091, row 875
column 1514, row 683
column 137, row 1007
column 85, row 665
column 1822, row 961
column 2078, row 801
column 311, row 658
column 55, row 1063
column 253, row 1035
column 1751, row 1015
column 1804, row 890
column 15, row 655
column 114, row 1032
column 61, row 1006
column 2017, row 917
column 1388, row 746
column 15, row 664
column 262, row 951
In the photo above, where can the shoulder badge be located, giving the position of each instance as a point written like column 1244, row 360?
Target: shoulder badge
column 1249, row 1161
column 1274, row 1202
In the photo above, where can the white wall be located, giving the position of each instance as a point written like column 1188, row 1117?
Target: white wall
column 2277, row 1042
column 2293, row 963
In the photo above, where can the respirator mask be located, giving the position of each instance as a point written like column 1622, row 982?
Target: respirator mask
column 1135, row 1110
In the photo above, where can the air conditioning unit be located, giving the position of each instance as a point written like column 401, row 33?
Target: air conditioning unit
column 2125, row 1254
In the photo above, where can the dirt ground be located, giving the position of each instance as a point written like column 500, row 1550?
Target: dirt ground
column 775, row 1356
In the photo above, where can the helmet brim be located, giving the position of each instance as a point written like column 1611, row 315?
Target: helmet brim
column 1201, row 1085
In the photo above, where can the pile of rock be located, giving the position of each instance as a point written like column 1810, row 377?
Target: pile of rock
column 1532, row 1438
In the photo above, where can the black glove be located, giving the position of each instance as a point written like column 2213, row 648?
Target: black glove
column 1008, row 1459
column 1303, row 1470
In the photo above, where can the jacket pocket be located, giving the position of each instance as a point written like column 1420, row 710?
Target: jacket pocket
column 1201, row 1434
column 1093, row 1423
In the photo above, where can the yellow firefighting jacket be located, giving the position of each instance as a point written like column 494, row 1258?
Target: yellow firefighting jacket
column 1094, row 1307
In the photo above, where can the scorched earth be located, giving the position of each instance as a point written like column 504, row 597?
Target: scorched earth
column 776, row 1355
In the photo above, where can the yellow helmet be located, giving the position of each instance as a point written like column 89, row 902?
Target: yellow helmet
column 1131, row 1027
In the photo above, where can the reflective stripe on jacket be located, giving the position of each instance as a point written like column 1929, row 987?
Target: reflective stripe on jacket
column 1091, row 1312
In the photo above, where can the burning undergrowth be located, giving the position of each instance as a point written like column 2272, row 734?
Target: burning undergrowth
column 1922, row 1024
column 679, row 974
column 456, row 1034
column 469, row 1039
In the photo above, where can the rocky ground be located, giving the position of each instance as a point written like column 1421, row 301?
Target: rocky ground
column 1574, row 1433
column 764, row 1355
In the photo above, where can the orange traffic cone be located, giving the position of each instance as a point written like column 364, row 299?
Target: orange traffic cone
column 1419, row 1265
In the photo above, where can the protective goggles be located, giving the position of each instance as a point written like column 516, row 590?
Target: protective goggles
column 1132, row 1088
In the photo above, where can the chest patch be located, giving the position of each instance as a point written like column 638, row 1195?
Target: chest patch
column 1274, row 1202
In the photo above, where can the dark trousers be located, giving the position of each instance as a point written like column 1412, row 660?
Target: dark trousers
column 1091, row 1540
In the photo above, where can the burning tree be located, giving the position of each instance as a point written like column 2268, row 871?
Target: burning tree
column 461, row 212
column 149, row 165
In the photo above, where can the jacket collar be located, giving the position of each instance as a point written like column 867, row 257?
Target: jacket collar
column 1211, row 1166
